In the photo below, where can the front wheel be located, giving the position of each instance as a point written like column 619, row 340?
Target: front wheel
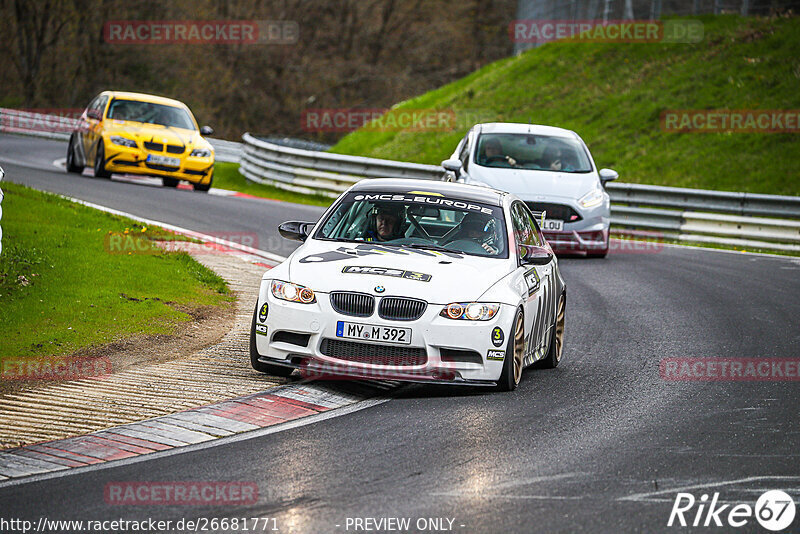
column 603, row 252
column 72, row 165
column 515, row 353
column 99, row 162
column 203, row 188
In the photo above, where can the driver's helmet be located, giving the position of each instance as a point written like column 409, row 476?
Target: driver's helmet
column 476, row 223
column 396, row 210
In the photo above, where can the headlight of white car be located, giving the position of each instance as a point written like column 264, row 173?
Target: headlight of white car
column 470, row 311
column 122, row 141
column 592, row 198
column 201, row 153
column 293, row 292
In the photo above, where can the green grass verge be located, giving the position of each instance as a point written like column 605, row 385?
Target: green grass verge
column 227, row 176
column 61, row 290
column 612, row 94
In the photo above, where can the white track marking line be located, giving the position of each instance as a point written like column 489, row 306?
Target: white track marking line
column 650, row 494
column 244, row 436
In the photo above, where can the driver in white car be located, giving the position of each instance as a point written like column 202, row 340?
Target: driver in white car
column 386, row 223
column 478, row 228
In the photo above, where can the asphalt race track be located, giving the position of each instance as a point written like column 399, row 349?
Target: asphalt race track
column 601, row 444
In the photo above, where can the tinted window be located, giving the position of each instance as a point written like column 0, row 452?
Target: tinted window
column 147, row 112
column 532, row 152
column 418, row 220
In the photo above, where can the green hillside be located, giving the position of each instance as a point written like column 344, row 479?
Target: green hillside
column 613, row 94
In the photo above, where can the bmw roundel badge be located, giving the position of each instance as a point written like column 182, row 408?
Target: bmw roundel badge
column 379, row 289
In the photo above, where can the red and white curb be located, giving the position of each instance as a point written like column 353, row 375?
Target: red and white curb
column 242, row 417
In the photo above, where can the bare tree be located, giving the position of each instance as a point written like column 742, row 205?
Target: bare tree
column 36, row 27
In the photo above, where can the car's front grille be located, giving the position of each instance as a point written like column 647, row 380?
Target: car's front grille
column 373, row 354
column 556, row 211
column 401, row 308
column 157, row 147
column 356, row 304
column 176, row 149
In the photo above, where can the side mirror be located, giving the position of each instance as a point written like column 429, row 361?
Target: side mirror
column 94, row 114
column 206, row 130
column 452, row 165
column 533, row 255
column 295, row 230
column 608, row 175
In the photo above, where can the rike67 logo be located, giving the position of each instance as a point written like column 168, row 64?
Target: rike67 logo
column 774, row 510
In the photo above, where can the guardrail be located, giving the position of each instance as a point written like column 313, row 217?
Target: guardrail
column 2, row 174
column 718, row 217
column 59, row 128
column 320, row 173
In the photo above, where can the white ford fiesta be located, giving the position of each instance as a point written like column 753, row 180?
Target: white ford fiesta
column 415, row 281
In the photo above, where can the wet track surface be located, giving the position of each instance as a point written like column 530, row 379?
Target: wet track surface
column 599, row 444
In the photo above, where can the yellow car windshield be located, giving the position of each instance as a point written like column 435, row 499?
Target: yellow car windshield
column 150, row 113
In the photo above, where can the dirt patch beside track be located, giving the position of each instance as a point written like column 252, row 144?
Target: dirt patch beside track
column 206, row 362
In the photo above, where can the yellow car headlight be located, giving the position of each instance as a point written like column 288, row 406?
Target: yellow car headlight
column 201, row 153
column 122, row 141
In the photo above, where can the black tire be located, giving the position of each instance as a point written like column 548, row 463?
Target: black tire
column 602, row 253
column 556, row 349
column 169, row 182
column 203, row 188
column 99, row 162
column 515, row 354
column 261, row 367
column 72, row 166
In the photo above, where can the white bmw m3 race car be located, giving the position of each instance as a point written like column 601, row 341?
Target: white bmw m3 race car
column 415, row 281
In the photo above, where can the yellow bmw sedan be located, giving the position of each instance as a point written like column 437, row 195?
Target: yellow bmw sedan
column 135, row 133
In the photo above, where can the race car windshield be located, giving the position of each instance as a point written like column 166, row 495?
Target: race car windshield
column 532, row 152
column 418, row 221
column 147, row 112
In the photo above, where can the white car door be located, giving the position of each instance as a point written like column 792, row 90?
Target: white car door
column 540, row 305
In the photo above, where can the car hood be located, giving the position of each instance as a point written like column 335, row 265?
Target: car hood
column 530, row 184
column 436, row 277
column 156, row 133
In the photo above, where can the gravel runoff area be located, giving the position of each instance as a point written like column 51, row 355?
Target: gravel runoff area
column 55, row 410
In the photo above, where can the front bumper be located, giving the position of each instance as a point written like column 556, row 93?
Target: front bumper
column 576, row 242
column 444, row 350
column 122, row 159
